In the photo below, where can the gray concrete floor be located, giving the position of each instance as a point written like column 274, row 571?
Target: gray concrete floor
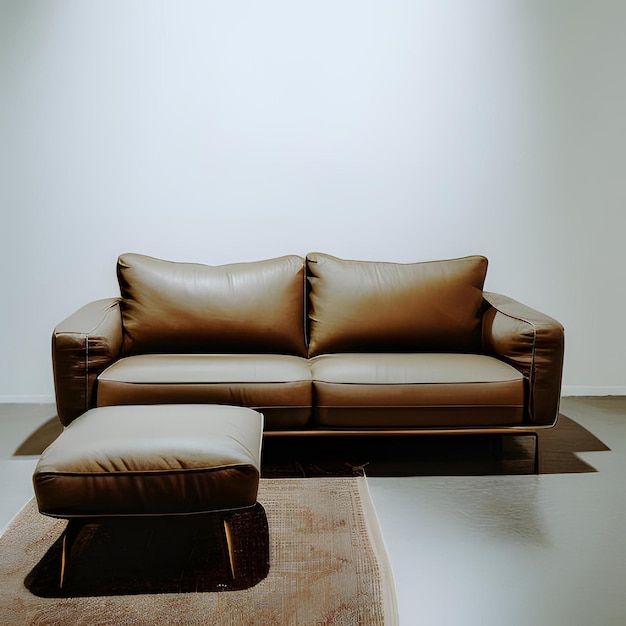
column 501, row 550
column 514, row 550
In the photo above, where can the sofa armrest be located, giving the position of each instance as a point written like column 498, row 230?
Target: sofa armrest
column 533, row 343
column 83, row 345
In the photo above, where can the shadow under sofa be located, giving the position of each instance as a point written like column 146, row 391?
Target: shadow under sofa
column 319, row 345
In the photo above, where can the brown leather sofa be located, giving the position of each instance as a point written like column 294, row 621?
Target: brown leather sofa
column 317, row 344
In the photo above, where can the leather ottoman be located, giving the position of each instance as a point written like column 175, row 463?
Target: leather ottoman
column 151, row 461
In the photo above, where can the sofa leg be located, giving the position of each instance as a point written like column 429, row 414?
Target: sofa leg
column 537, row 466
column 536, row 458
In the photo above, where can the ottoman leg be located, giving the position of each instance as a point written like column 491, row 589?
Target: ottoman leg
column 63, row 560
column 71, row 532
column 229, row 543
column 247, row 543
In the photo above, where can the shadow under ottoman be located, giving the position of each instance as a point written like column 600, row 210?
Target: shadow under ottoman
column 159, row 498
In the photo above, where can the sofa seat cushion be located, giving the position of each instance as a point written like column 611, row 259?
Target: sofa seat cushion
column 416, row 390
column 279, row 386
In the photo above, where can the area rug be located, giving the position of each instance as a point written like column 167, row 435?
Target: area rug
column 328, row 565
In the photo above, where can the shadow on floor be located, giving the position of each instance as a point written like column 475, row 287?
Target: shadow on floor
column 406, row 456
column 152, row 555
column 466, row 455
column 39, row 440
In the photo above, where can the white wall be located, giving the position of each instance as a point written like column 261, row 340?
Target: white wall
column 397, row 130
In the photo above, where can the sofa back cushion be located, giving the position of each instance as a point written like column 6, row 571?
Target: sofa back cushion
column 170, row 307
column 365, row 306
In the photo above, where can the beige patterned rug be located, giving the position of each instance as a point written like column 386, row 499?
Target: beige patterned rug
column 328, row 565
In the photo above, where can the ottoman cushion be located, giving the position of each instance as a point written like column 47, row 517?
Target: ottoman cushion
column 152, row 460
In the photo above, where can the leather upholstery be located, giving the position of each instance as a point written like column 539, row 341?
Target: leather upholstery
column 83, row 345
column 279, row 386
column 192, row 308
column 153, row 460
column 416, row 390
column 364, row 306
column 235, row 334
column 534, row 344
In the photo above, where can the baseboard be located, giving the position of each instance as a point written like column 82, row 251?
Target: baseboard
column 27, row 400
column 584, row 390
